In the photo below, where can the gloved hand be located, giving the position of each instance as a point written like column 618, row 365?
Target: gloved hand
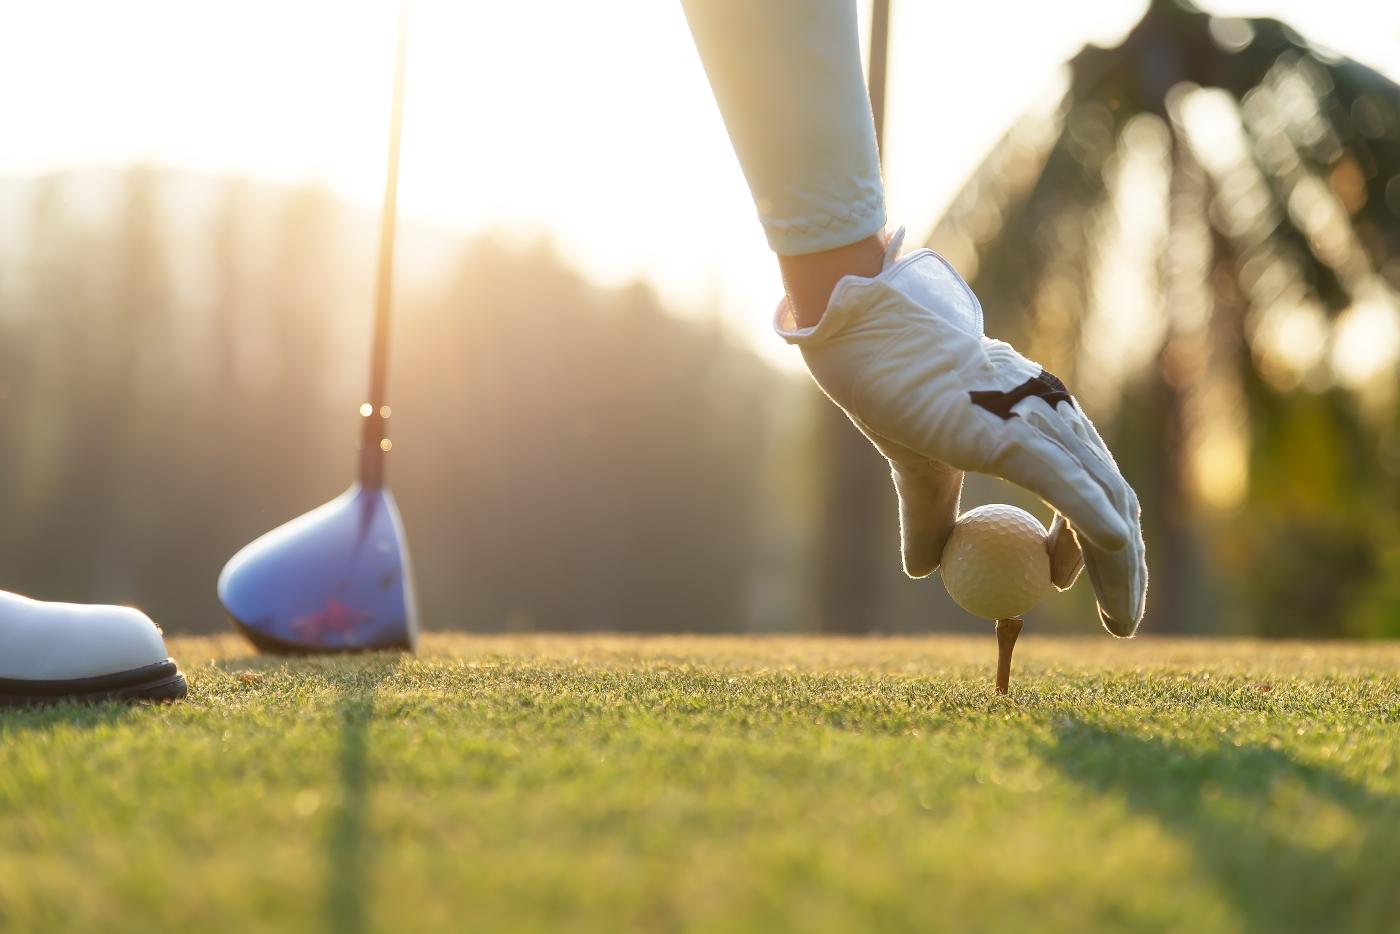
column 904, row 356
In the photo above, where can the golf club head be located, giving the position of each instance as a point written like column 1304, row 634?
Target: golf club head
column 334, row 580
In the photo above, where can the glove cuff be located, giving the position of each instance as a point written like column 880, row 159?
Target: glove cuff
column 923, row 278
column 837, row 312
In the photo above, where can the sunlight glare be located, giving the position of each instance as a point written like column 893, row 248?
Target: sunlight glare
column 591, row 123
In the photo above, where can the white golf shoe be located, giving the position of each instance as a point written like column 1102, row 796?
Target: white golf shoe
column 904, row 355
column 51, row 652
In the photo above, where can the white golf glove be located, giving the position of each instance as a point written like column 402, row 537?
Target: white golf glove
column 903, row 354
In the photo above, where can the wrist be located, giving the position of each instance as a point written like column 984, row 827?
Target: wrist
column 810, row 278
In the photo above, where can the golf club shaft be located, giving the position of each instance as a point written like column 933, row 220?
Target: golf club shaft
column 879, row 58
column 373, row 441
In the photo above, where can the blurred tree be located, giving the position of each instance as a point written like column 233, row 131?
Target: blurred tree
column 174, row 380
column 592, row 463
column 1204, row 237
column 96, row 303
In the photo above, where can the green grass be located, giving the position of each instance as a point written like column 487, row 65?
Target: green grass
column 602, row 784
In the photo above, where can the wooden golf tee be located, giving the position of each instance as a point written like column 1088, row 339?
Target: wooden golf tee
column 1007, row 631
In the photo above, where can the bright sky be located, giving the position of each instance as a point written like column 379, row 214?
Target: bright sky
column 591, row 121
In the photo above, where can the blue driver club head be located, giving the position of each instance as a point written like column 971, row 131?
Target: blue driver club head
column 336, row 579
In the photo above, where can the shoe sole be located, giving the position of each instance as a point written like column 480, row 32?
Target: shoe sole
column 159, row 682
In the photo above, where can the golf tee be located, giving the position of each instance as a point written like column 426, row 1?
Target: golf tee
column 1007, row 631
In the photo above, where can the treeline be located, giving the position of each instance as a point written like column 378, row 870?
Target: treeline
column 181, row 362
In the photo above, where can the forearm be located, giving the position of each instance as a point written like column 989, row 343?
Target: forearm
column 787, row 77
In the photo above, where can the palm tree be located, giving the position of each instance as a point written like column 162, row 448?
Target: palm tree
column 1203, row 235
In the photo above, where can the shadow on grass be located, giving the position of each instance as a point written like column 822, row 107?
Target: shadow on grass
column 349, row 855
column 82, row 715
column 349, row 850
column 1233, row 805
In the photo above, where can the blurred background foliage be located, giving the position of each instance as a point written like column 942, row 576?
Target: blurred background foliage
column 1202, row 235
column 182, row 366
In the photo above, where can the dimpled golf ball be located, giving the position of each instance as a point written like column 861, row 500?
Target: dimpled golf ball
column 995, row 564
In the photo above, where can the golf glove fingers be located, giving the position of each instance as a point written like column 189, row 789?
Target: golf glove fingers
column 904, row 355
column 929, row 492
column 1066, row 557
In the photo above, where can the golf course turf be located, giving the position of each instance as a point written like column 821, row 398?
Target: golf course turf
column 758, row 784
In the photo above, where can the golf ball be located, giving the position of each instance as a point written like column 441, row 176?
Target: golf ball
column 995, row 564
